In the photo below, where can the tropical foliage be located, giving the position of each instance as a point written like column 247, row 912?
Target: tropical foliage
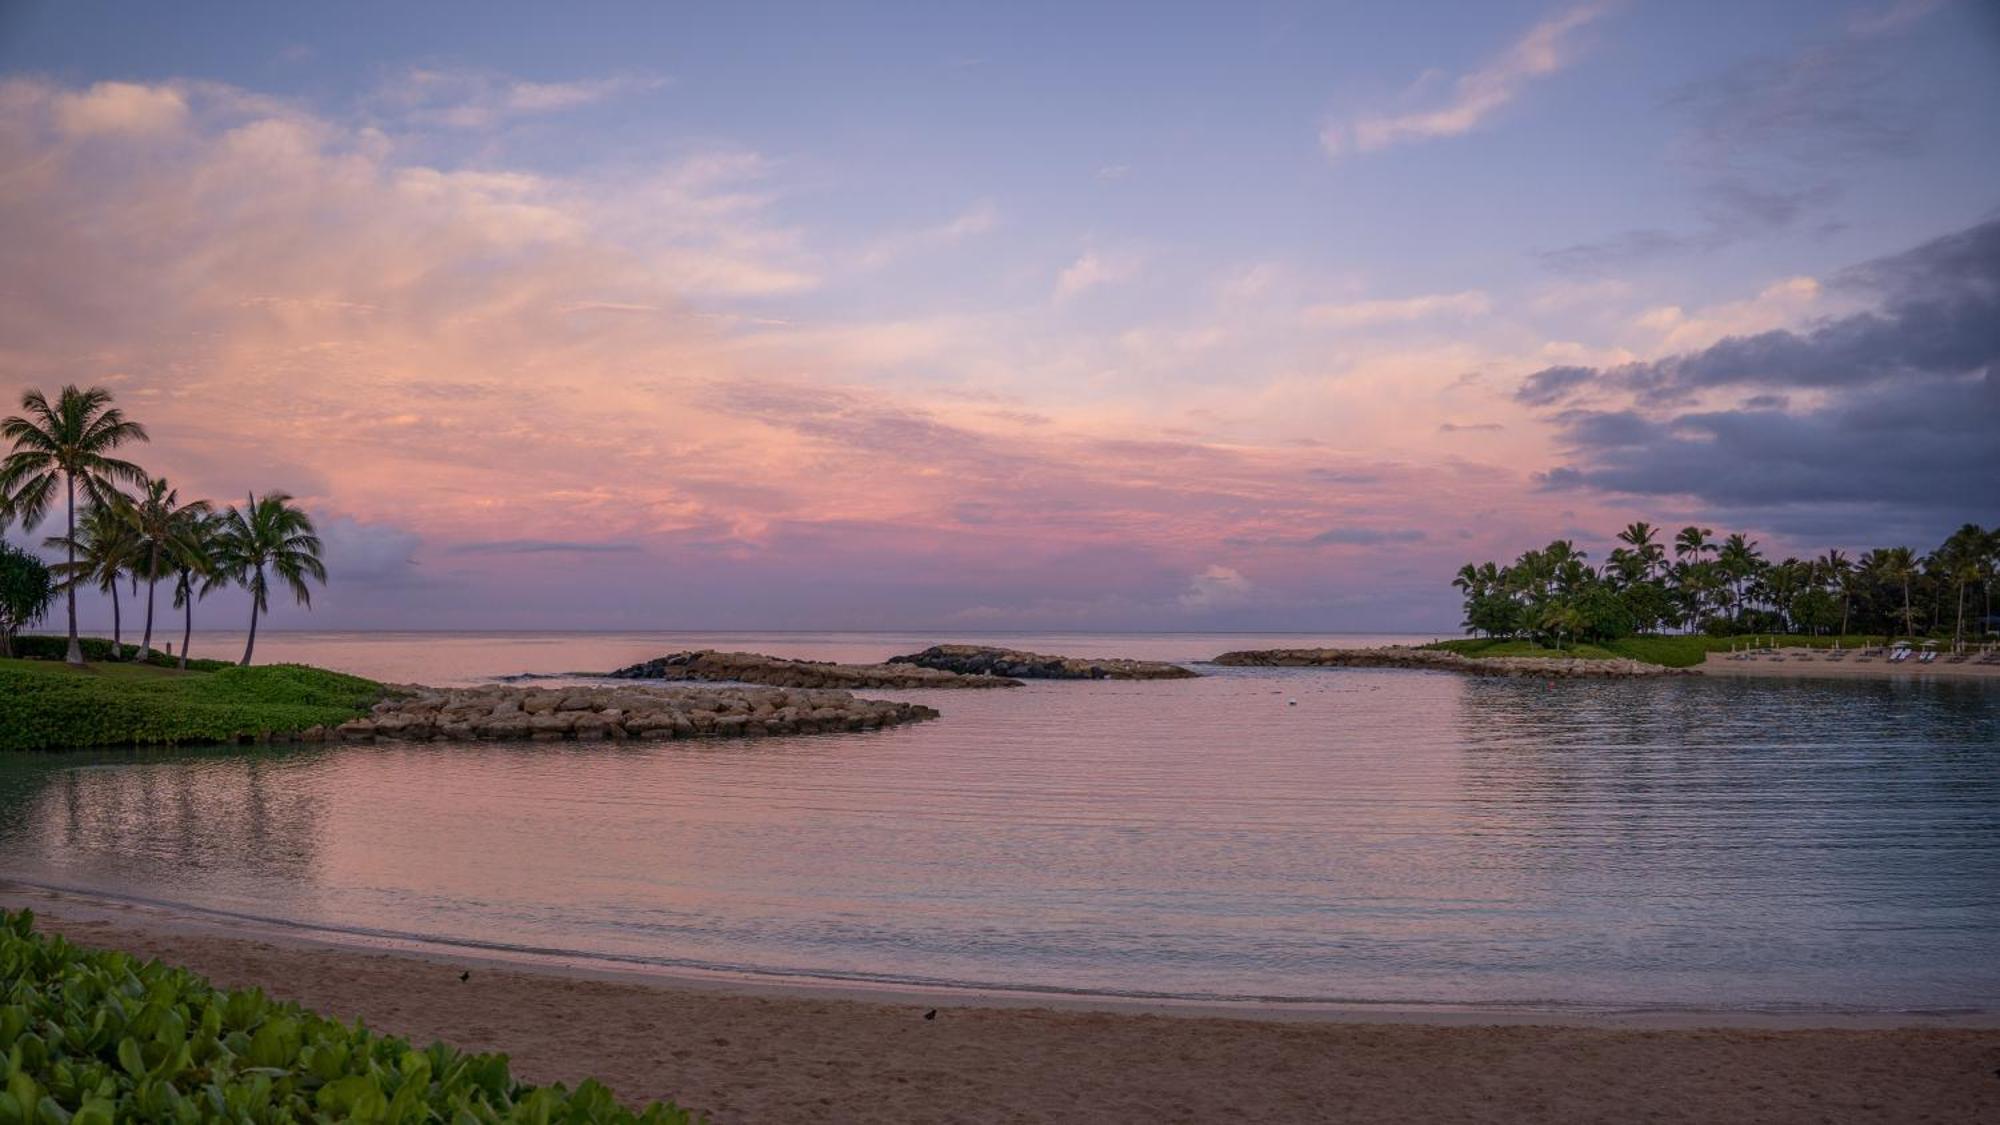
column 1728, row 587
column 147, row 537
column 66, row 444
column 97, row 1037
column 267, row 537
column 26, row 589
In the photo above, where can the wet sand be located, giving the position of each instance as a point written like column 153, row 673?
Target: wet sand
column 762, row 1054
column 1797, row 664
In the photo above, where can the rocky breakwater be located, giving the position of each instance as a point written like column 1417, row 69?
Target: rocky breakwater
column 980, row 660
column 756, row 668
column 1439, row 660
column 549, row 714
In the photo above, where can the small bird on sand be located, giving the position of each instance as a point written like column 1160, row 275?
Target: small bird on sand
column 465, row 976
column 931, row 1015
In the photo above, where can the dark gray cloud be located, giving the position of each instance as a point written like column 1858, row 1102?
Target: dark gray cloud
column 1551, row 385
column 540, row 547
column 1939, row 319
column 1901, row 432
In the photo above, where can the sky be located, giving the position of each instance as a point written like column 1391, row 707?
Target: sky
column 1034, row 316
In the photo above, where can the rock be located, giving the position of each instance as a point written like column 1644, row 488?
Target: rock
column 650, row 713
column 755, row 668
column 983, row 660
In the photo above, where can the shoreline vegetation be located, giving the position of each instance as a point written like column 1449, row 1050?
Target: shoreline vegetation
column 1727, row 589
column 63, row 449
column 809, row 1054
column 99, row 1036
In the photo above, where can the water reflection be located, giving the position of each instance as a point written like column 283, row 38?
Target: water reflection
column 1298, row 833
column 137, row 821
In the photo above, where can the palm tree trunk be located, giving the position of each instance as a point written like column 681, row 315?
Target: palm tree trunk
column 152, row 568
column 75, row 654
column 1958, row 632
column 187, row 631
column 117, row 626
column 250, row 645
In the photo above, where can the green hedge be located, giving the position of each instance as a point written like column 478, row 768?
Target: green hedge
column 43, row 647
column 50, row 706
column 101, row 1037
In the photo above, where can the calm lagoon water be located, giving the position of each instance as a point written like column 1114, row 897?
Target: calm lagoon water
column 1282, row 834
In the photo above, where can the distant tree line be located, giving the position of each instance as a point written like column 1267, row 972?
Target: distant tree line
column 1726, row 588
column 63, row 456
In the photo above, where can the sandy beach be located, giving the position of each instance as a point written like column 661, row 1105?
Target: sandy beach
column 761, row 1054
column 1804, row 662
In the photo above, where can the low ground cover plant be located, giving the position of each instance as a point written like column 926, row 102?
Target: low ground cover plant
column 96, row 1037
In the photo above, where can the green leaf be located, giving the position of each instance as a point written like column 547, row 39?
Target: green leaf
column 130, row 1058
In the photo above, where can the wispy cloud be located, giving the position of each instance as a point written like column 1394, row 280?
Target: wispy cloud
column 1091, row 270
column 539, row 547
column 978, row 219
column 1475, row 96
column 479, row 99
column 1357, row 314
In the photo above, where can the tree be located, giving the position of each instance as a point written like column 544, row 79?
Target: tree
column 1642, row 538
column 1693, row 542
column 156, row 518
column 1840, row 574
column 194, row 549
column 268, row 536
column 101, row 552
column 1898, row 567
column 1738, row 561
column 70, row 440
column 26, row 589
column 1812, row 609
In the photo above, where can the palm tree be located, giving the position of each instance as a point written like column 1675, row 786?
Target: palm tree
column 1840, row 574
column 1693, row 541
column 1898, row 566
column 71, row 439
column 156, row 518
column 1642, row 538
column 102, row 551
column 268, row 534
column 1738, row 560
column 194, row 549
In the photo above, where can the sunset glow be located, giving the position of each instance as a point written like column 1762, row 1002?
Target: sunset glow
column 860, row 326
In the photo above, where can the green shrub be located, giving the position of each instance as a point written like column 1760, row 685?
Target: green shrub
column 50, row 706
column 44, row 647
column 101, row 1037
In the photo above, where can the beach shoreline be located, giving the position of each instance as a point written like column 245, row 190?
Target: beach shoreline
column 758, row 1051
column 1802, row 663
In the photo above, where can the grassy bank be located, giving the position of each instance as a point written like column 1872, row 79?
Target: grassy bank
column 43, row 647
column 1671, row 652
column 98, row 1037
column 47, row 705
